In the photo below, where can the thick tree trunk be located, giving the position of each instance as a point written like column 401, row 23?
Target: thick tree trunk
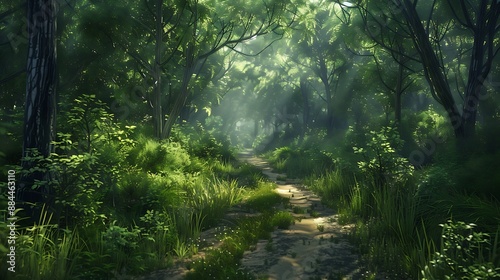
column 40, row 107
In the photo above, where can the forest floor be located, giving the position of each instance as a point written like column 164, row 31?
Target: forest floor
column 315, row 247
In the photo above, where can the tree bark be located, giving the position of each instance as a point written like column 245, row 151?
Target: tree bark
column 40, row 107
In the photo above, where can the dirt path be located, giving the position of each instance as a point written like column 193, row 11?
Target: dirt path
column 312, row 248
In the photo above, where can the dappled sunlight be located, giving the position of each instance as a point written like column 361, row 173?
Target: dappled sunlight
column 245, row 140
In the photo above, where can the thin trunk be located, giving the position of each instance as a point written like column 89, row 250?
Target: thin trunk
column 328, row 96
column 181, row 99
column 305, row 104
column 157, row 108
column 398, row 93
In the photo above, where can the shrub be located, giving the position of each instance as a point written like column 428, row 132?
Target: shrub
column 138, row 192
column 282, row 220
column 464, row 254
column 333, row 187
column 74, row 189
column 152, row 156
column 263, row 197
column 298, row 163
column 246, row 175
column 381, row 163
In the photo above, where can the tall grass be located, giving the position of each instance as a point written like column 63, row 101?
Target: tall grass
column 263, row 197
column 396, row 229
column 212, row 197
column 246, row 175
column 334, row 187
column 47, row 252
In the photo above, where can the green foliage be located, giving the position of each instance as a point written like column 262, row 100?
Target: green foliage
column 246, row 175
column 333, row 187
column 430, row 125
column 299, row 163
column 282, row 219
column 45, row 251
column 223, row 262
column 89, row 119
column 464, row 254
column 208, row 147
column 263, row 196
column 381, row 161
column 212, row 198
column 74, row 182
column 121, row 240
column 138, row 192
column 152, row 156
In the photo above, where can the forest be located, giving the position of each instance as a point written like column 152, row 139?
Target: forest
column 264, row 139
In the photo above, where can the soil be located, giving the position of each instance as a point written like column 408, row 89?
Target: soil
column 315, row 247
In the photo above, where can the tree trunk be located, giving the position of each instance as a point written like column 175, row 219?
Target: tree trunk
column 323, row 73
column 398, row 93
column 480, row 62
column 431, row 65
column 157, row 108
column 305, row 104
column 40, row 107
column 180, row 101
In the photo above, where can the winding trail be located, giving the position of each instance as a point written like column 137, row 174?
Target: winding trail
column 313, row 248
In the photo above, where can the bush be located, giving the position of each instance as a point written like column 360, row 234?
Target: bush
column 282, row 220
column 152, row 156
column 464, row 254
column 299, row 163
column 263, row 197
column 138, row 192
column 74, row 191
column 246, row 175
column 381, row 162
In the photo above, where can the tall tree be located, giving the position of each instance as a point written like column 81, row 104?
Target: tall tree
column 40, row 107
